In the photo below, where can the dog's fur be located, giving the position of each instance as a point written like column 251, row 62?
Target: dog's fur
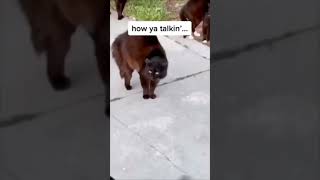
column 52, row 24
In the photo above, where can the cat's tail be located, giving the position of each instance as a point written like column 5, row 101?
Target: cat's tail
column 117, row 54
column 30, row 9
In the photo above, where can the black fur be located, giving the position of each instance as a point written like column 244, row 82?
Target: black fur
column 120, row 4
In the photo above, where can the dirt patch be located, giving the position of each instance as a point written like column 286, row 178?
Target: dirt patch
column 173, row 8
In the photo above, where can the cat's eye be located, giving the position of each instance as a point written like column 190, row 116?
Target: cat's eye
column 150, row 72
column 157, row 73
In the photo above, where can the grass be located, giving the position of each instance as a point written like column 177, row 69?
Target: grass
column 147, row 10
column 151, row 10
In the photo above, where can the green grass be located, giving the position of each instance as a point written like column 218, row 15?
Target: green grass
column 146, row 10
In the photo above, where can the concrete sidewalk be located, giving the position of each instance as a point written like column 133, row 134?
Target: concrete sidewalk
column 170, row 134
column 267, row 112
column 266, row 81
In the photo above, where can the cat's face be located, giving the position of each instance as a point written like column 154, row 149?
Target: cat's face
column 156, row 68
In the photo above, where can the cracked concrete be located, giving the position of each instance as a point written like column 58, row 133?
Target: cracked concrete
column 151, row 146
column 30, row 116
column 267, row 110
column 237, row 23
column 170, row 133
column 269, row 42
column 165, row 83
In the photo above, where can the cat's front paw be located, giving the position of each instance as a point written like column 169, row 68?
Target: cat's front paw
column 128, row 87
column 146, row 96
column 60, row 83
column 120, row 17
column 153, row 96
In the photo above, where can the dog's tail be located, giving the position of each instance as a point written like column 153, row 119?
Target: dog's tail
column 116, row 53
column 30, row 9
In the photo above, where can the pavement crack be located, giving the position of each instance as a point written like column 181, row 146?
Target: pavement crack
column 187, row 47
column 163, row 84
column 268, row 42
column 19, row 118
column 150, row 145
column 28, row 117
column 184, row 77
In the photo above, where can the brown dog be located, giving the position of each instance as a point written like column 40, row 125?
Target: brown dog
column 52, row 24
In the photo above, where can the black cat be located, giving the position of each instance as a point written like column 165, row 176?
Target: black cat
column 52, row 24
column 143, row 54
